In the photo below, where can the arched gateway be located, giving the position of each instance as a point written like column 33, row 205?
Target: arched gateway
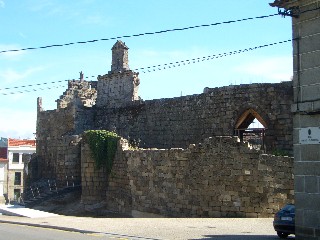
column 245, row 130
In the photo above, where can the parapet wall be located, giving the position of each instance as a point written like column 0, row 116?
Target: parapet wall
column 218, row 178
column 177, row 122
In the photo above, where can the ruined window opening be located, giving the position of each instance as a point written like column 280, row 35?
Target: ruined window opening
column 250, row 128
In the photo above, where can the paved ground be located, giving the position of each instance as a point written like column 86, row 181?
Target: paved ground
column 145, row 228
column 18, row 232
column 158, row 228
column 16, row 210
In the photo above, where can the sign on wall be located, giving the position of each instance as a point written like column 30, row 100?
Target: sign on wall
column 310, row 135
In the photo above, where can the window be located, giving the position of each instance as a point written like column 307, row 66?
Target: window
column 17, row 178
column 15, row 158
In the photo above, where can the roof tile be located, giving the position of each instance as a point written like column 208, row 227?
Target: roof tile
column 21, row 142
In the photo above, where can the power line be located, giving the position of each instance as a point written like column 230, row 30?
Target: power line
column 140, row 34
column 31, row 85
column 163, row 66
column 206, row 58
column 32, row 90
column 39, row 84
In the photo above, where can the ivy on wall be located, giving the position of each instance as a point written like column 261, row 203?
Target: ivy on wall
column 103, row 146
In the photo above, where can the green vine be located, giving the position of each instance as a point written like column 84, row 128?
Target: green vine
column 103, row 146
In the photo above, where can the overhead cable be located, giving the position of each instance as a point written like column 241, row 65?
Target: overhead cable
column 163, row 66
column 32, row 85
column 206, row 58
column 139, row 34
column 32, row 90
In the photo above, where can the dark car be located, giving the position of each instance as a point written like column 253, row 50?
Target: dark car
column 284, row 221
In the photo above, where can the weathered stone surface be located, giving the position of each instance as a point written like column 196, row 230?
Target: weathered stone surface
column 219, row 177
column 155, row 181
column 177, row 122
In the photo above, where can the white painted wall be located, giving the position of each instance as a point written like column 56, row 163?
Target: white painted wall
column 20, row 150
column 2, row 169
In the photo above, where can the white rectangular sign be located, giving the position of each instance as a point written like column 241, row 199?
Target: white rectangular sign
column 310, row 135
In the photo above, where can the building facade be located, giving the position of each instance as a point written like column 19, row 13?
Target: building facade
column 306, row 112
column 19, row 152
column 3, row 169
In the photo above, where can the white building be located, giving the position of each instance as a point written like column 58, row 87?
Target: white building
column 3, row 168
column 19, row 151
column 3, row 175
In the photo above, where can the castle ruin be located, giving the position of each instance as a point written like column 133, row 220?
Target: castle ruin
column 215, row 118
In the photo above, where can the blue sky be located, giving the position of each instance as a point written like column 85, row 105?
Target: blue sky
column 35, row 23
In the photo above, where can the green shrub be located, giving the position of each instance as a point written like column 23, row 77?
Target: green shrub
column 103, row 146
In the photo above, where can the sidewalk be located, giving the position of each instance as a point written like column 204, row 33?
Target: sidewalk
column 16, row 210
column 154, row 228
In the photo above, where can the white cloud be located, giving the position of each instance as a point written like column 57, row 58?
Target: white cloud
column 49, row 8
column 11, row 55
column 94, row 20
column 17, row 123
column 36, row 5
column 2, row 4
column 11, row 76
column 272, row 68
column 63, row 10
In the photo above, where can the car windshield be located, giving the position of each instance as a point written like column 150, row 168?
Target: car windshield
column 288, row 208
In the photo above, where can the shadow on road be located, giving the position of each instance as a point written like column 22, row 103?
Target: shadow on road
column 241, row 237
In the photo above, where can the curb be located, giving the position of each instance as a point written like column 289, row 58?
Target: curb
column 49, row 226
column 121, row 236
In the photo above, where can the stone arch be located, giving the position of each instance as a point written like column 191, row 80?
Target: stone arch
column 247, row 117
column 244, row 121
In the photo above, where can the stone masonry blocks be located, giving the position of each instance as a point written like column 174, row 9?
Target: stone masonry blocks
column 200, row 182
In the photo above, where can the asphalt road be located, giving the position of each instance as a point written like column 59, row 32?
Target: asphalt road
column 18, row 232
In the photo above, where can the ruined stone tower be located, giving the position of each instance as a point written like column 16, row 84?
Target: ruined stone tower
column 120, row 61
column 120, row 86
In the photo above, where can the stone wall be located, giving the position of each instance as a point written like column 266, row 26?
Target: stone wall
column 306, row 111
column 95, row 181
column 162, row 123
column 59, row 159
column 177, row 122
column 117, row 89
column 218, row 178
column 58, row 149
